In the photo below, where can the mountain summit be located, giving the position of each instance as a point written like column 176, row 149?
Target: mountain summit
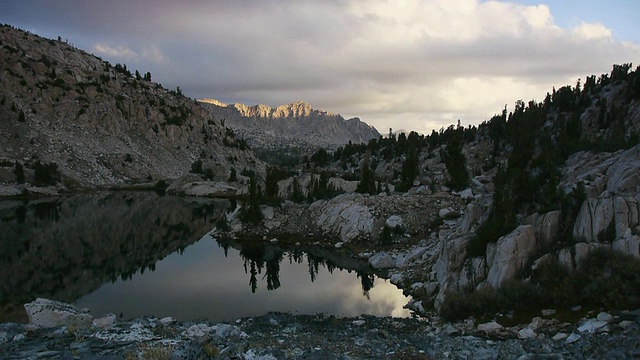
column 296, row 124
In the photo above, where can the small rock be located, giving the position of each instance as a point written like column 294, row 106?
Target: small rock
column 626, row 324
column 450, row 330
column 19, row 337
column 339, row 245
column 536, row 323
column 224, row 331
column 193, row 332
column 548, row 312
column 466, row 194
column 444, row 212
column 274, row 322
column 394, row 221
column 104, row 321
column 591, row 326
column 382, row 261
column 559, row 336
column 167, row 320
column 603, row 316
column 572, row 338
column 417, row 285
column 527, row 333
column 358, row 322
column 490, row 327
column 396, row 279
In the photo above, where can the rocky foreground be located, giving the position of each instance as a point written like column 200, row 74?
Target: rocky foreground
column 58, row 330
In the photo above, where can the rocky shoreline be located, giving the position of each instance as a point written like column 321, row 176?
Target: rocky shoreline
column 58, row 330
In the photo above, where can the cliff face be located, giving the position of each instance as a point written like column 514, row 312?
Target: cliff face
column 295, row 124
column 99, row 123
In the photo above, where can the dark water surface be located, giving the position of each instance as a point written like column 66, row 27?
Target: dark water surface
column 138, row 253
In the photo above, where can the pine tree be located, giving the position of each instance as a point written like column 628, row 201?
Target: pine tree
column 19, row 172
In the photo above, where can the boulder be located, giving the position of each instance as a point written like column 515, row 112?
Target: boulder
column 470, row 218
column 473, row 272
column 565, row 258
column 594, row 217
column 451, row 257
column 49, row 313
column 511, row 253
column 546, row 225
column 628, row 244
column 344, row 217
column 382, row 261
column 624, row 174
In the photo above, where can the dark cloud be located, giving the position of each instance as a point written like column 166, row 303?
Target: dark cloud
column 414, row 65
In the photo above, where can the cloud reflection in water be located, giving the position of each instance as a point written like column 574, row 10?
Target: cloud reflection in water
column 204, row 283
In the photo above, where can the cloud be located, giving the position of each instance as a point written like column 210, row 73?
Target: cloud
column 118, row 52
column 151, row 54
column 415, row 64
column 592, row 31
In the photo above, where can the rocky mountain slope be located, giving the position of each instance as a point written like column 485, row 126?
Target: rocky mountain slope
column 291, row 125
column 540, row 203
column 99, row 123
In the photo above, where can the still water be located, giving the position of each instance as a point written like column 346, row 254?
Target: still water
column 140, row 253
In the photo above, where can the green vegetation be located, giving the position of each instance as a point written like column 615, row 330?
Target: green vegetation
column 45, row 174
column 367, row 184
column 251, row 212
column 603, row 279
column 196, row 167
column 19, row 172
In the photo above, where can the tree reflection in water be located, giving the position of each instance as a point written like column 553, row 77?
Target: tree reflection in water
column 258, row 258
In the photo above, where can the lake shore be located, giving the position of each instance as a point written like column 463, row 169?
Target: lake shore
column 289, row 336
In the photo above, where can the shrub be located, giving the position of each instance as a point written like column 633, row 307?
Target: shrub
column 233, row 177
column 604, row 279
column 385, row 236
column 196, row 167
column 19, row 172
column 45, row 174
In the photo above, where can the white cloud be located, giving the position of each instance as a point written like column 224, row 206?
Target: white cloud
column 592, row 31
column 412, row 64
column 150, row 53
column 119, row 52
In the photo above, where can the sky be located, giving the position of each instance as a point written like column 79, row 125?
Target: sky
column 412, row 65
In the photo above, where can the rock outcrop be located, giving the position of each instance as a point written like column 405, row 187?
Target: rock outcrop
column 49, row 313
column 510, row 254
column 344, row 217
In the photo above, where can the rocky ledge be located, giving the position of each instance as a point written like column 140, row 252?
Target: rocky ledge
column 58, row 330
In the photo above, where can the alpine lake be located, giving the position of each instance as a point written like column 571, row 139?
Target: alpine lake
column 142, row 253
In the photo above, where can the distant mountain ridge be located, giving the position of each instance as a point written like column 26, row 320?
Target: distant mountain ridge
column 294, row 124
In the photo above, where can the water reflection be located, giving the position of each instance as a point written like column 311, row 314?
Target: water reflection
column 139, row 253
column 258, row 257
column 65, row 248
